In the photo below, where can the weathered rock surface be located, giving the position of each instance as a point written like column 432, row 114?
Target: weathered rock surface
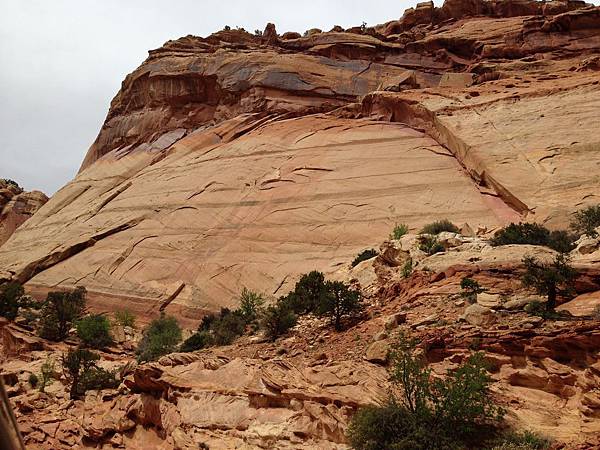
column 239, row 160
column 16, row 206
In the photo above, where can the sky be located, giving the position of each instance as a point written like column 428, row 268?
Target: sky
column 62, row 61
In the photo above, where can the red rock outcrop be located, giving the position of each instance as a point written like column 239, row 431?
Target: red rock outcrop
column 241, row 160
column 16, row 206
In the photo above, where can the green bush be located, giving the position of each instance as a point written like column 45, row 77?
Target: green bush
column 470, row 289
column 13, row 183
column 197, row 341
column 430, row 245
column 407, row 268
column 399, row 231
column 231, row 325
column 364, row 256
column 94, row 331
column 251, row 304
column 550, row 279
column 46, row 377
column 585, row 221
column 11, row 299
column 428, row 414
column 83, row 374
column 438, row 227
column 160, row 338
column 521, row 441
column 125, row 318
column 59, row 311
column 534, row 234
column 33, row 380
column 340, row 301
column 391, row 427
column 308, row 293
column 277, row 320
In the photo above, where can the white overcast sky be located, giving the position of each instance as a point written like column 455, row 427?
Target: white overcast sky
column 62, row 61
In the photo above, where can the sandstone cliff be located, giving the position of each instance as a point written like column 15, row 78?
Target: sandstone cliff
column 237, row 160
column 16, row 206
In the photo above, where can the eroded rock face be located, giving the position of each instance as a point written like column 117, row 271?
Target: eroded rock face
column 240, row 160
column 16, row 206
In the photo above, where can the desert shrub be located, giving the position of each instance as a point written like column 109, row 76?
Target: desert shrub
column 391, row 427
column 339, row 302
column 83, row 374
column 59, row 311
column 540, row 309
column 308, row 293
column 407, row 268
column 438, row 227
column 251, row 304
column 430, row 245
column 94, row 331
column 197, row 341
column 550, row 279
column 223, row 328
column 526, row 440
column 364, row 256
column 470, row 289
column 428, row 414
column 228, row 327
column 534, row 234
column 125, row 318
column 585, row 221
column 46, row 377
column 278, row 319
column 399, row 231
column 33, row 380
column 562, row 241
column 13, row 183
column 160, row 338
column 11, row 299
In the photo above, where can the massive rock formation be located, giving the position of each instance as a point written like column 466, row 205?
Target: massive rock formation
column 241, row 160
column 16, row 206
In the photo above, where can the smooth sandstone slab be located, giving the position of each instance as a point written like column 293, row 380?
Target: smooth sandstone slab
column 212, row 217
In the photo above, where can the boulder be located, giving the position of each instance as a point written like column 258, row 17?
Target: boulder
column 378, row 352
column 489, row 300
column 479, row 316
column 394, row 320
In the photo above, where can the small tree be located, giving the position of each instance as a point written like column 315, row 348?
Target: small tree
column 277, row 320
column 251, row 304
column 308, row 293
column 462, row 402
column 410, row 374
column 424, row 412
column 550, row 279
column 11, row 299
column 161, row 337
column 470, row 289
column 229, row 326
column 340, row 301
column 94, row 331
column 83, row 374
column 59, row 312
column 46, row 377
column 585, row 221
column 197, row 341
